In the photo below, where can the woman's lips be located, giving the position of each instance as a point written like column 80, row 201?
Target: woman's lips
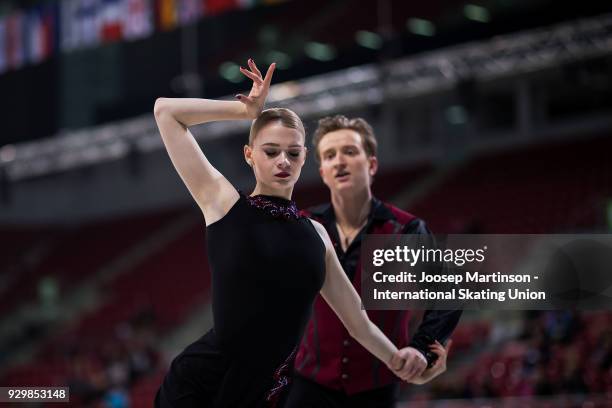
column 282, row 174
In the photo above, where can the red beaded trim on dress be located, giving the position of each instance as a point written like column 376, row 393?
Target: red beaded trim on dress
column 282, row 377
column 287, row 211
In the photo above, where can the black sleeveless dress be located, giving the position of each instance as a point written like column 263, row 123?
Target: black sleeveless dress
column 268, row 264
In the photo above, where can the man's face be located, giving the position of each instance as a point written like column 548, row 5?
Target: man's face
column 344, row 163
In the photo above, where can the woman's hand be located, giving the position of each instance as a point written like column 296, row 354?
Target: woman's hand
column 439, row 366
column 407, row 363
column 256, row 99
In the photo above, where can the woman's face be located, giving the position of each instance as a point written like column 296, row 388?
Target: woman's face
column 277, row 155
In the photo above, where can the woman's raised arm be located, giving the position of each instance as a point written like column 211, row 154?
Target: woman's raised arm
column 210, row 189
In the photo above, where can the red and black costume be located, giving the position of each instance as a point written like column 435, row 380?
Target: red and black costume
column 332, row 363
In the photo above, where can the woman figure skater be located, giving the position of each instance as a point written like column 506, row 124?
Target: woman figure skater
column 267, row 261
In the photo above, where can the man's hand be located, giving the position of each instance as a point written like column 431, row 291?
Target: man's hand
column 408, row 363
column 439, row 366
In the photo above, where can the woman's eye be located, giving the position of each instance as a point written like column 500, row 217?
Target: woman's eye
column 271, row 153
column 294, row 154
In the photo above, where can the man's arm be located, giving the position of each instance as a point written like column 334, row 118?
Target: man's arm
column 436, row 324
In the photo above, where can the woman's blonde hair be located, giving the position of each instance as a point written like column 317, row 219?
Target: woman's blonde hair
column 286, row 117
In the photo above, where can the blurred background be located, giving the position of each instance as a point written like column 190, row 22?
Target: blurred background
column 493, row 116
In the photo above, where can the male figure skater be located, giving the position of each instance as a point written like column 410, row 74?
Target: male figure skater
column 331, row 369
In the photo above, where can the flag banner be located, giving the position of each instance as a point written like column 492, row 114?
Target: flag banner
column 89, row 21
column 214, row 7
column 189, row 11
column 15, row 48
column 167, row 14
column 139, row 19
column 69, row 25
column 33, row 36
column 50, row 25
column 112, row 15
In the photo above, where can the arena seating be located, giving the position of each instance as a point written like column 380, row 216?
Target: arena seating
column 556, row 187
column 543, row 360
column 164, row 288
column 537, row 189
column 71, row 253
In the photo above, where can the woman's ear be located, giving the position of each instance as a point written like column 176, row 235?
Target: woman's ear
column 248, row 155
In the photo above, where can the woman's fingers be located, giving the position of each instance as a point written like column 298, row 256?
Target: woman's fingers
column 244, row 99
column 256, row 98
column 255, row 78
column 255, row 74
column 397, row 362
column 414, row 372
column 414, row 364
column 253, row 67
column 269, row 73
